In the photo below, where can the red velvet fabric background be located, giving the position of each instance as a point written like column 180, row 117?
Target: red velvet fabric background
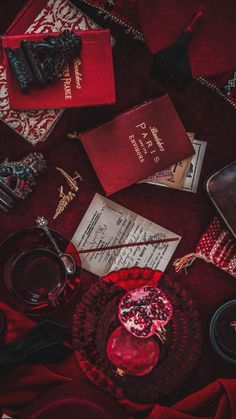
column 212, row 120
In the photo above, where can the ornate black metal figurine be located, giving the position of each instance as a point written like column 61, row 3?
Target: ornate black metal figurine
column 40, row 62
column 17, row 178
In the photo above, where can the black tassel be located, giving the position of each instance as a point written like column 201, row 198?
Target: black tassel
column 171, row 67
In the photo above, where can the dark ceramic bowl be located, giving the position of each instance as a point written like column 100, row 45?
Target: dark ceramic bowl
column 223, row 331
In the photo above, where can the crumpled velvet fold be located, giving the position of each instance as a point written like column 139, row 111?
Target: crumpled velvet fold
column 73, row 400
column 28, row 382
column 217, row 400
column 162, row 22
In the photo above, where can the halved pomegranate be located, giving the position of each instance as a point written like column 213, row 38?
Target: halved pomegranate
column 144, row 311
column 132, row 355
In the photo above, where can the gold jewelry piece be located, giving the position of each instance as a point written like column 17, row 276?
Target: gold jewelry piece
column 65, row 199
column 70, row 180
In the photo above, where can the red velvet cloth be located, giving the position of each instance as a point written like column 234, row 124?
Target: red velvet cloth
column 74, row 400
column 27, row 382
column 217, row 400
column 214, row 401
column 163, row 22
column 203, row 112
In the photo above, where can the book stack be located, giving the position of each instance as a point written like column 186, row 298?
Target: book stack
column 45, row 16
column 77, row 86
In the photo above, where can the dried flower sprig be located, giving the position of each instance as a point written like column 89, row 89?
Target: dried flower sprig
column 71, row 180
column 64, row 201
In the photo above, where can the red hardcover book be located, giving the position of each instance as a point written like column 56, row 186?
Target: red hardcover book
column 42, row 16
column 136, row 144
column 86, row 81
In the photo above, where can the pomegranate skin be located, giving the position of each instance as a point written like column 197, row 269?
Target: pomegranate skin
column 144, row 311
column 130, row 354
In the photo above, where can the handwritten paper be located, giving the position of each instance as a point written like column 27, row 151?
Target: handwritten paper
column 107, row 223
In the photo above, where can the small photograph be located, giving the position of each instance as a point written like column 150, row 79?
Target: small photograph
column 195, row 167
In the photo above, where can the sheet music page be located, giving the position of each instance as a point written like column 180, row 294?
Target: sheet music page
column 106, row 223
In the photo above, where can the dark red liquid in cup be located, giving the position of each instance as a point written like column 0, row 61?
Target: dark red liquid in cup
column 35, row 280
column 38, row 276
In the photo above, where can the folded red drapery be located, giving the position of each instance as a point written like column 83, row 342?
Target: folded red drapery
column 217, row 401
column 25, row 383
column 162, row 23
column 20, row 387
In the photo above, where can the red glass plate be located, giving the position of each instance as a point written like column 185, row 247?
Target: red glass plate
column 96, row 318
column 33, row 277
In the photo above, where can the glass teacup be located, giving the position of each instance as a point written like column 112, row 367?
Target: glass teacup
column 36, row 276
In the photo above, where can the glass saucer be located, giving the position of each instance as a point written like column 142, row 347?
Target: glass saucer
column 34, row 279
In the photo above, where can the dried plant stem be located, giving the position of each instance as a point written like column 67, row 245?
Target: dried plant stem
column 64, row 201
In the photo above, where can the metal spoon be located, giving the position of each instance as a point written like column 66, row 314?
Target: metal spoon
column 67, row 259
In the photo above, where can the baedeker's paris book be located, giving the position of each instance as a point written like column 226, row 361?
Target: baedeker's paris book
column 136, row 144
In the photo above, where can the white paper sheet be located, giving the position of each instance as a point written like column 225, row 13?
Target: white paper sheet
column 106, row 223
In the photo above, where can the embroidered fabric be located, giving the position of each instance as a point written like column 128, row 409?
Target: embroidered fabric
column 216, row 246
column 124, row 13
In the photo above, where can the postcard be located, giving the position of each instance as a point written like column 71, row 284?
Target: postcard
column 176, row 173
column 192, row 178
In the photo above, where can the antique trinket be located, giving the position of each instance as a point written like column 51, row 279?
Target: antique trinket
column 36, row 63
column 65, row 199
column 17, row 178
